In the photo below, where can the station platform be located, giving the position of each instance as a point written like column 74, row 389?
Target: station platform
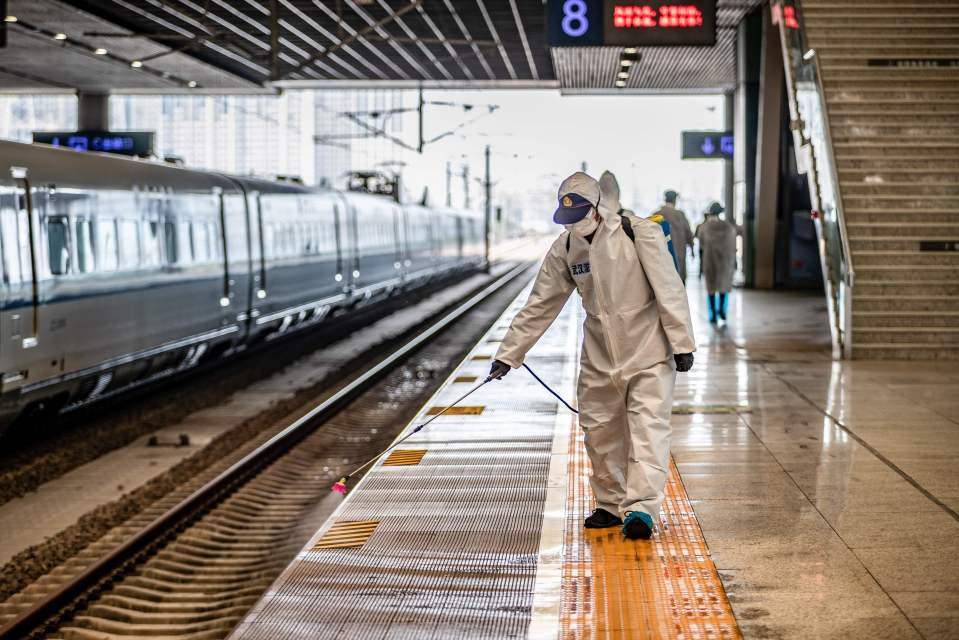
column 783, row 516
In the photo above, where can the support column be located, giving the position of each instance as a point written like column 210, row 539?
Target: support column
column 729, row 109
column 769, row 133
column 93, row 111
column 748, row 48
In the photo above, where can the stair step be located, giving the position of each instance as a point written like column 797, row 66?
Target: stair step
column 903, row 351
column 819, row 21
column 900, row 201
column 898, row 244
column 904, row 304
column 907, row 258
column 901, row 189
column 869, row 216
column 905, row 288
column 878, row 274
column 902, row 230
column 893, row 122
column 884, row 107
column 912, row 178
column 895, row 163
column 904, row 150
column 926, row 321
column 941, row 38
column 911, row 335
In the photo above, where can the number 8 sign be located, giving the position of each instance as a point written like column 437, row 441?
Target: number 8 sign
column 574, row 22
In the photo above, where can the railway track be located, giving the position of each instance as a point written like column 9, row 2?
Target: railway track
column 192, row 564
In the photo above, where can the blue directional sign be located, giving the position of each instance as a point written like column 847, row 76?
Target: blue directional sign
column 129, row 143
column 708, row 145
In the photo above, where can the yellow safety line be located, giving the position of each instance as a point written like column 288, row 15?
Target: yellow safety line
column 404, row 457
column 666, row 587
column 347, row 534
column 456, row 411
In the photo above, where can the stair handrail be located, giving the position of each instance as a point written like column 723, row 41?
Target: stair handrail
column 800, row 59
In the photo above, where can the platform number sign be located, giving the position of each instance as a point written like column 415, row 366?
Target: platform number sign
column 575, row 23
column 648, row 23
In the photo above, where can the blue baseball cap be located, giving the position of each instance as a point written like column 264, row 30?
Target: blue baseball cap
column 578, row 194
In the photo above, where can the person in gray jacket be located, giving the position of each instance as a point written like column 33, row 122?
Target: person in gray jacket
column 638, row 333
column 717, row 241
column 679, row 230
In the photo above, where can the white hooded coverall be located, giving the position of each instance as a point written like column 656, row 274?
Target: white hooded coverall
column 637, row 316
column 718, row 239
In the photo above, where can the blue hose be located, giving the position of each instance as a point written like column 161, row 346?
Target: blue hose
column 547, row 387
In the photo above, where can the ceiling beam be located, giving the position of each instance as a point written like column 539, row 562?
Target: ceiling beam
column 349, row 39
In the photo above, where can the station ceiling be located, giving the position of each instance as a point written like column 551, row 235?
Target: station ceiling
column 259, row 45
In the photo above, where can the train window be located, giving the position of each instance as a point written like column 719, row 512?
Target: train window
column 151, row 243
column 105, row 233
column 58, row 246
column 129, row 243
column 170, row 246
column 200, row 240
column 10, row 240
column 84, row 240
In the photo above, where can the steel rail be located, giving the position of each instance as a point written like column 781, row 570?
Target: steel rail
column 60, row 604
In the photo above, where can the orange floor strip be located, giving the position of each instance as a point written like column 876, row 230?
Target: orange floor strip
column 617, row 588
column 404, row 457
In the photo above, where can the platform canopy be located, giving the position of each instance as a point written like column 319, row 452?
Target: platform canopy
column 259, row 45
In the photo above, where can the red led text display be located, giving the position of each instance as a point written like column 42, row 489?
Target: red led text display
column 660, row 23
column 635, row 16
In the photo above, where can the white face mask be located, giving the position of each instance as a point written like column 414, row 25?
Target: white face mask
column 585, row 226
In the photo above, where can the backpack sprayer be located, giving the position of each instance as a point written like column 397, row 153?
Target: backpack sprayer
column 340, row 485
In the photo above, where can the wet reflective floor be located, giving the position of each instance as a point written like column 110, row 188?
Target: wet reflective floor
column 808, row 499
column 829, row 501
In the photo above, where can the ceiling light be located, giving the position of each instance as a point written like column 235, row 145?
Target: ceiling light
column 60, row 36
column 100, row 51
column 620, row 83
column 136, row 64
column 626, row 63
column 191, row 83
column 630, row 50
column 10, row 19
column 624, row 74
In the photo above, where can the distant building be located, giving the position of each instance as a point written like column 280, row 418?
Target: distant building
column 297, row 133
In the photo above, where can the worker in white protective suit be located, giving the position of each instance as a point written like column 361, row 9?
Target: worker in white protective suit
column 679, row 230
column 717, row 241
column 638, row 333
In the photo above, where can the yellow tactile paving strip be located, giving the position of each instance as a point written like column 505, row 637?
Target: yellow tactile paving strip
column 347, row 534
column 404, row 457
column 455, row 411
column 618, row 588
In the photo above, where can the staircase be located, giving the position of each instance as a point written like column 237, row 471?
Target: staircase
column 895, row 136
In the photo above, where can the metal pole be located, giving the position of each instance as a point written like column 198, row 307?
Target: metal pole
column 419, row 110
column 466, row 186
column 274, row 39
column 489, row 209
column 449, row 185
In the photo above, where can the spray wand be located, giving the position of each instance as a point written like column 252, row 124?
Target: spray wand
column 340, row 485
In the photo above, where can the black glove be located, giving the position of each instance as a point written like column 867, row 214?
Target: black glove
column 684, row 362
column 498, row 370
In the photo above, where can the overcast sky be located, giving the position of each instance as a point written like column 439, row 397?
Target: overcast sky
column 540, row 137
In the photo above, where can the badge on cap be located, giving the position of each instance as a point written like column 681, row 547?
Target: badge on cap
column 567, row 201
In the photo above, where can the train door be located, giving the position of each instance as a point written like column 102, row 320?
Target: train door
column 226, row 290
column 237, row 259
column 401, row 239
column 340, row 230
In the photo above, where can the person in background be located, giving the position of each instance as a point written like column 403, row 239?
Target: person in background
column 637, row 335
column 679, row 230
column 717, row 242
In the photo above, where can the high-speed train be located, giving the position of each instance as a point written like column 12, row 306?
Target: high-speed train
column 115, row 272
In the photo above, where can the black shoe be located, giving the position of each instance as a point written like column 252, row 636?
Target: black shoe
column 639, row 526
column 601, row 519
